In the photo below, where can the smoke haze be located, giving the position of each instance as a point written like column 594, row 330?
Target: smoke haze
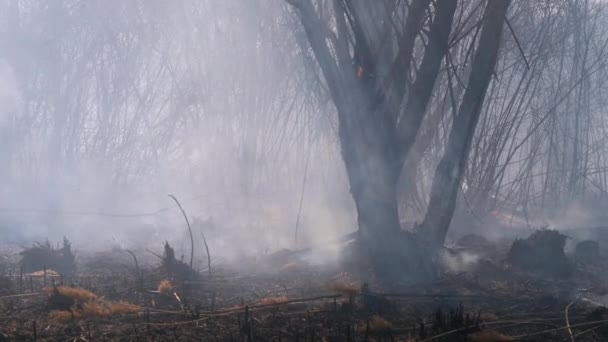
column 108, row 107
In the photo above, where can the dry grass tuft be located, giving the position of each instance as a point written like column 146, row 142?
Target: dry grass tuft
column 165, row 286
column 76, row 293
column 62, row 315
column 94, row 309
column 379, row 324
column 490, row 336
column 123, row 307
column 80, row 303
column 272, row 300
column 348, row 289
column 488, row 317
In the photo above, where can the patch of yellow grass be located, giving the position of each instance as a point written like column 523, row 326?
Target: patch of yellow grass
column 272, row 300
column 488, row 317
column 94, row 308
column 490, row 336
column 87, row 304
column 76, row 293
column 378, row 324
column 123, row 307
column 165, row 286
column 347, row 289
column 62, row 315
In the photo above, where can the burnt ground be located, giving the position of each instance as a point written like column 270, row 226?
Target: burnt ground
column 488, row 300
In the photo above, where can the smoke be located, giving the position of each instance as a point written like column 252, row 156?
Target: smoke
column 9, row 95
column 106, row 108
column 459, row 262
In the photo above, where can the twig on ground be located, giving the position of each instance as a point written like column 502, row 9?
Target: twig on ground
column 560, row 328
column 568, row 320
column 22, row 295
column 588, row 330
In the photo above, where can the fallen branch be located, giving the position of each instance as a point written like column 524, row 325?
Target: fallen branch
column 588, row 330
column 568, row 320
column 440, row 295
column 561, row 328
column 23, row 295
column 227, row 312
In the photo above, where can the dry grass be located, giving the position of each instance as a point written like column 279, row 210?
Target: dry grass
column 76, row 293
column 123, row 307
column 62, row 315
column 94, row 308
column 348, row 289
column 490, row 336
column 87, row 304
column 165, row 286
column 272, row 300
column 379, row 324
column 488, row 317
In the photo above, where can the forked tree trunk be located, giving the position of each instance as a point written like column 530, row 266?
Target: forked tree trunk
column 448, row 175
column 375, row 134
column 373, row 172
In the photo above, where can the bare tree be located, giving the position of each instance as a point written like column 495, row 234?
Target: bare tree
column 380, row 118
column 448, row 176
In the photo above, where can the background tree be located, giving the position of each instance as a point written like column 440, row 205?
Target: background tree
column 107, row 106
column 366, row 59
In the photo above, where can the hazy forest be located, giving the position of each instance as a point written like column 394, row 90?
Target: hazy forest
column 319, row 170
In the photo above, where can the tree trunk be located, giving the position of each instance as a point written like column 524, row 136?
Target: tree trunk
column 448, row 175
column 375, row 134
